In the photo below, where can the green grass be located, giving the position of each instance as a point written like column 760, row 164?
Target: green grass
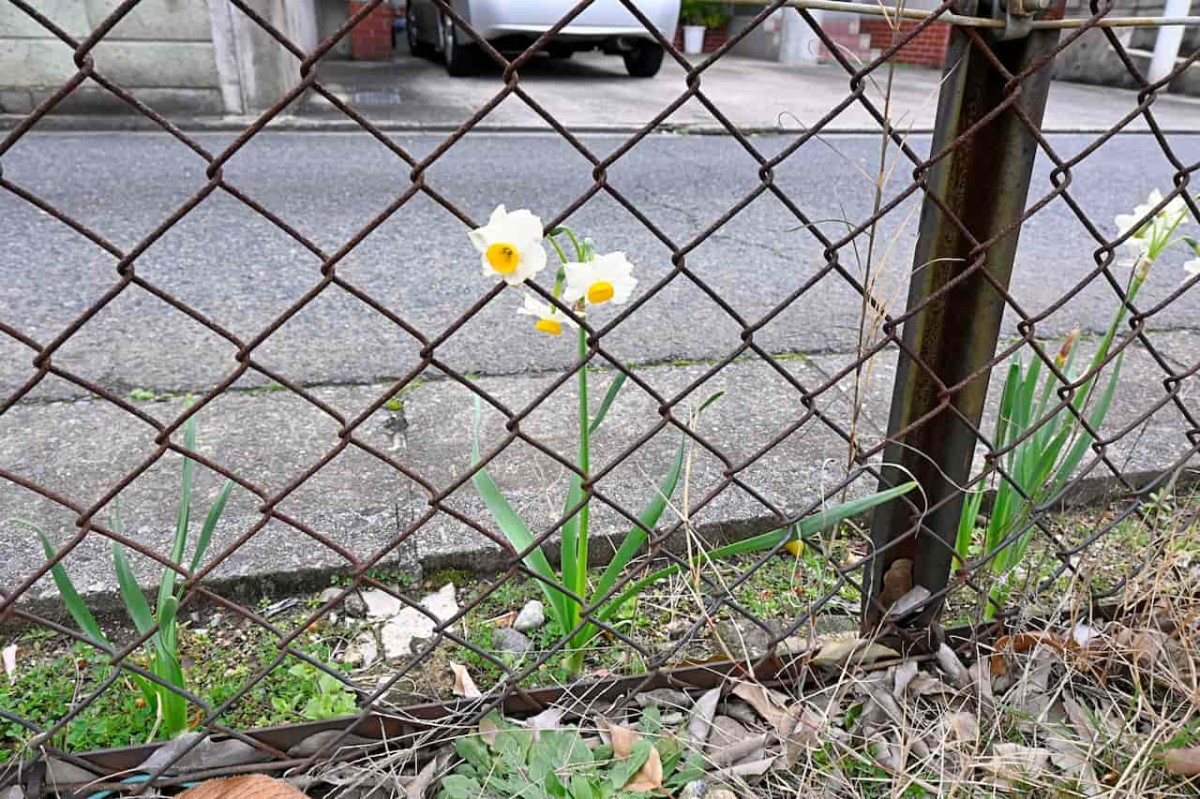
column 53, row 675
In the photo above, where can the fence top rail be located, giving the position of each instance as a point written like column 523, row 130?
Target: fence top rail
column 882, row 10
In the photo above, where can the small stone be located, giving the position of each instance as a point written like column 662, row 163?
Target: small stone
column 531, row 617
column 747, row 638
column 363, row 652
column 671, row 719
column 510, row 641
column 696, row 789
column 380, row 604
column 354, row 605
column 794, row 645
column 332, row 618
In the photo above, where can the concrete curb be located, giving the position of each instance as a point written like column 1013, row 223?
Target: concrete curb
column 304, row 124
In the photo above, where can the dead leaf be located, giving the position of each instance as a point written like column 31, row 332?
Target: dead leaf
column 750, row 747
column 858, row 650
column 10, row 662
column 1185, row 762
column 464, row 686
column 548, row 719
column 1013, row 763
column 897, row 581
column 416, row 787
column 1020, row 644
column 952, row 666
column 649, row 776
column 800, row 731
column 251, row 787
column 912, row 599
column 702, row 716
column 753, row 769
column 771, row 705
column 905, row 673
column 622, row 738
column 488, row 727
column 505, row 620
column 962, row 725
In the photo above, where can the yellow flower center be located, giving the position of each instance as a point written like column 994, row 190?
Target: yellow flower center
column 600, row 291
column 503, row 257
column 548, row 325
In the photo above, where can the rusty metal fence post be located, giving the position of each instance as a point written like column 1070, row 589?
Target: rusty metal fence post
column 982, row 157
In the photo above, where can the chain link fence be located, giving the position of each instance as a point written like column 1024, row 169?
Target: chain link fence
column 1000, row 421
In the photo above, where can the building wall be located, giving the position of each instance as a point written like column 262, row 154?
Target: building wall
column 1092, row 59
column 162, row 52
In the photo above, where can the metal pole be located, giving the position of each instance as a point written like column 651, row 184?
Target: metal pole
column 983, row 181
column 1166, row 46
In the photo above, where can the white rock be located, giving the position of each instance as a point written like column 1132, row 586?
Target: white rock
column 531, row 617
column 409, row 624
column 363, row 652
column 380, row 604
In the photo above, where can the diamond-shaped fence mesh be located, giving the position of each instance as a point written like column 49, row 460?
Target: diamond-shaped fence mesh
column 1045, row 458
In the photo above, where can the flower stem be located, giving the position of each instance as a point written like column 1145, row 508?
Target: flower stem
column 575, row 656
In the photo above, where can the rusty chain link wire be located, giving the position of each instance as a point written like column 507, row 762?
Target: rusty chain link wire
column 917, row 537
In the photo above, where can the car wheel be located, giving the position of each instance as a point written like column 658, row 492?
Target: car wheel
column 644, row 60
column 416, row 47
column 462, row 60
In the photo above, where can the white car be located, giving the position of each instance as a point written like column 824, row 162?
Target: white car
column 511, row 25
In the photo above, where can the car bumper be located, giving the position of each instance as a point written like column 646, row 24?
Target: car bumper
column 602, row 20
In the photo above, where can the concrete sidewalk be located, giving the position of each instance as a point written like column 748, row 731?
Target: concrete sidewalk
column 591, row 93
column 82, row 448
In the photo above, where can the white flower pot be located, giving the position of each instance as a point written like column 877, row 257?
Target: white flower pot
column 693, row 39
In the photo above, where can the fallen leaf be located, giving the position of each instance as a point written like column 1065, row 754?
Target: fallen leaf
column 897, row 581
column 702, row 715
column 1020, row 644
column 1013, row 763
column 800, row 731
column 10, row 662
column 416, row 787
column 1185, row 761
column 250, row 787
column 858, row 651
column 753, row 769
column 488, row 727
column 771, row 705
column 505, row 620
column 649, row 776
column 904, row 675
column 622, row 738
column 464, row 686
column 795, row 547
column 751, row 747
column 914, row 598
column 962, row 725
column 952, row 666
column 548, row 719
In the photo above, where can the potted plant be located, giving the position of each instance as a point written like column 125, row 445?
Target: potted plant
column 696, row 16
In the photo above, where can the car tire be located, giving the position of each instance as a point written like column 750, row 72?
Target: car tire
column 644, row 60
column 416, row 47
column 461, row 60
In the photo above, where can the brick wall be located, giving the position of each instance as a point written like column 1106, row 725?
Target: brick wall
column 927, row 49
column 713, row 39
column 371, row 38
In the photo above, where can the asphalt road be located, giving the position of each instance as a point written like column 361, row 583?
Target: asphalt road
column 241, row 271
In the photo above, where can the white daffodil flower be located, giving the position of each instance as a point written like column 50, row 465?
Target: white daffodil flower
column 605, row 278
column 550, row 320
column 1192, row 268
column 510, row 245
column 1151, row 235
